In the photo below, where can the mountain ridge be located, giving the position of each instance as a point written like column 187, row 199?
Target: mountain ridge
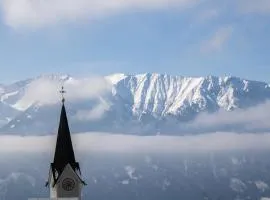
column 141, row 103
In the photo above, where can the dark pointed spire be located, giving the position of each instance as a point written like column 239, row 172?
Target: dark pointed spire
column 64, row 153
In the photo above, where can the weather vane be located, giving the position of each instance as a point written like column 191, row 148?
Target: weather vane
column 62, row 91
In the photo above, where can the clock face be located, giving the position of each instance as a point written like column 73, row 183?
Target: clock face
column 68, row 184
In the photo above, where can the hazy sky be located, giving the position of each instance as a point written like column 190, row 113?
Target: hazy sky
column 180, row 37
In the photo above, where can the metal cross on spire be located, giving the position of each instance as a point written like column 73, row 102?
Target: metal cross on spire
column 62, row 91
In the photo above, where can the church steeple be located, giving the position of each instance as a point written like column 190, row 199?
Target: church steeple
column 65, row 171
column 64, row 153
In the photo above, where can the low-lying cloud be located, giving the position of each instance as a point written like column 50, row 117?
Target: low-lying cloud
column 94, row 114
column 253, row 118
column 100, row 142
column 46, row 91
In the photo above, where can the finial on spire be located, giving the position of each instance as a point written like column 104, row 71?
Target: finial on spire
column 62, row 91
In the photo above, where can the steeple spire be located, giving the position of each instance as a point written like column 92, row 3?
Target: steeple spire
column 64, row 153
column 65, row 175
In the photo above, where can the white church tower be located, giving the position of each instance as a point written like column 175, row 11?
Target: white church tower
column 65, row 176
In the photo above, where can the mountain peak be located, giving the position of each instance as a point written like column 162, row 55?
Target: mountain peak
column 139, row 101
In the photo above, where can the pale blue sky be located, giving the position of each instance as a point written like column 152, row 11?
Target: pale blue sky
column 179, row 37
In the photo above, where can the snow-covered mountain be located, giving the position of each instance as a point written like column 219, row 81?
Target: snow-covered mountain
column 135, row 104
